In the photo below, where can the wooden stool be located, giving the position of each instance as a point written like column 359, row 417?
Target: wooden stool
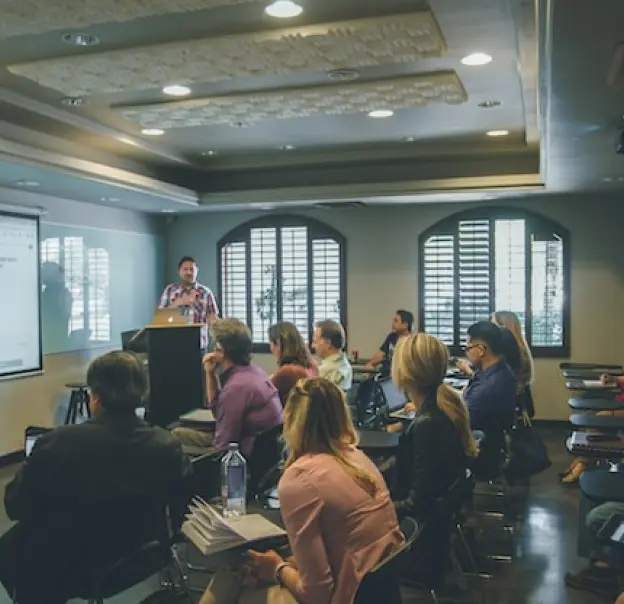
column 78, row 402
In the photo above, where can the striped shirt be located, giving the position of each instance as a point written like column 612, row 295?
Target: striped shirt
column 200, row 311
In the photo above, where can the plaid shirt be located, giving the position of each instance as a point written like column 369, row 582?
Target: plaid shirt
column 199, row 312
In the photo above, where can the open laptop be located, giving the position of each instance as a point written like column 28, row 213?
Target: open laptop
column 31, row 435
column 395, row 400
column 169, row 316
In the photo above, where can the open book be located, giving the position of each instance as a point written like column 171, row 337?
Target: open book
column 211, row 533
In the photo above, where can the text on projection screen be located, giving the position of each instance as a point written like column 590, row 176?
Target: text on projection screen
column 20, row 319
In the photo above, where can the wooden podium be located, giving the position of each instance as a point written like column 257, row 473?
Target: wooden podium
column 175, row 371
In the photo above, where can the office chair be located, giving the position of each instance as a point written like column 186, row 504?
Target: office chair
column 381, row 583
column 264, row 463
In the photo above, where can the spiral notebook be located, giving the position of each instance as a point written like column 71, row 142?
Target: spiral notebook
column 212, row 533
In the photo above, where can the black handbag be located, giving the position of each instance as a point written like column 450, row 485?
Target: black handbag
column 528, row 454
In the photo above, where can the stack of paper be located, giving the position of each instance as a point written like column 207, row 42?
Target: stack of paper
column 211, row 533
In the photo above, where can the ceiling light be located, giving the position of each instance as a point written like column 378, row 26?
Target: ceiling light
column 497, row 132
column 476, row 59
column 283, row 9
column 409, row 139
column 209, row 153
column 168, row 211
column 287, row 147
column 152, row 131
column 381, row 113
column 80, row 39
column 27, row 183
column 110, row 199
column 490, row 104
column 177, row 90
column 343, row 75
column 73, row 101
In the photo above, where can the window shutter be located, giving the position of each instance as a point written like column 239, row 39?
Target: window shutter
column 294, row 277
column 264, row 282
column 234, row 280
column 474, row 273
column 326, row 272
column 547, row 298
column 510, row 266
column 439, row 287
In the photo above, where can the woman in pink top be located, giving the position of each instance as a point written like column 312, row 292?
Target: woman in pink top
column 336, row 509
column 293, row 357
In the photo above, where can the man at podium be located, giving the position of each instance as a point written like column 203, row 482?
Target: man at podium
column 194, row 300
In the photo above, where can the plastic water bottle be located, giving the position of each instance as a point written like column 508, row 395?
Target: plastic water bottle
column 234, row 482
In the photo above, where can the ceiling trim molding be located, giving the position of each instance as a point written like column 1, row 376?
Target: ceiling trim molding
column 366, row 191
column 78, row 121
column 95, row 172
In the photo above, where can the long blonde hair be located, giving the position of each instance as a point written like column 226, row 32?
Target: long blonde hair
column 509, row 320
column 317, row 421
column 419, row 364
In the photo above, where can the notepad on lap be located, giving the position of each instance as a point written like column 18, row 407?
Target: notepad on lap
column 211, row 533
column 198, row 417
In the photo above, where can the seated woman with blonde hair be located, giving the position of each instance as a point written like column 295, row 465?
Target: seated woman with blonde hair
column 435, row 448
column 336, row 510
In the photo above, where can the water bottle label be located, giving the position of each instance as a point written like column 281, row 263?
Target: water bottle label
column 236, row 482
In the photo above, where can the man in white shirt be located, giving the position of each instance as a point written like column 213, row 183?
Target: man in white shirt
column 329, row 341
column 192, row 298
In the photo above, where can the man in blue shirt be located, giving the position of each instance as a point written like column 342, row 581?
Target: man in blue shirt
column 491, row 394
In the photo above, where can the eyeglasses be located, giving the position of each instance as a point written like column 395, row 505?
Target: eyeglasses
column 469, row 347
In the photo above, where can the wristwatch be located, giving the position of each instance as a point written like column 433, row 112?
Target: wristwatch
column 278, row 572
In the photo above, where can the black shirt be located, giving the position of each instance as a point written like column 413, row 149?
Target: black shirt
column 388, row 346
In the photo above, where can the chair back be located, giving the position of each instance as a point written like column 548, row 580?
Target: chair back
column 265, row 459
column 381, row 583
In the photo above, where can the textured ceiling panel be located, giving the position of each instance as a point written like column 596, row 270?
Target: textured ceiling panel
column 356, row 43
column 396, row 93
column 23, row 17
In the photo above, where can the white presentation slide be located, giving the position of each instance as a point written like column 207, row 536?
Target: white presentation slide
column 20, row 318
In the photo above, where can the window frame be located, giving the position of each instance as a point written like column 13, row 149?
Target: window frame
column 316, row 230
column 534, row 222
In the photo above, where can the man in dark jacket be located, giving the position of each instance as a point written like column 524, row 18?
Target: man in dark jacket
column 89, row 493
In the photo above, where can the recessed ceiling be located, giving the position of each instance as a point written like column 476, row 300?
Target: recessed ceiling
column 260, row 86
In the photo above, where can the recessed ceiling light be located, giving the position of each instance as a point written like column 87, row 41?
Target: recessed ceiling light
column 489, row 104
column 497, row 132
column 73, row 101
column 287, row 147
column 476, row 59
column 80, row 39
column 177, row 90
column 381, row 113
column 284, row 9
column 343, row 75
column 152, row 131
column 210, row 153
column 27, row 183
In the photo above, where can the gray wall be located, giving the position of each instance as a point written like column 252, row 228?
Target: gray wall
column 382, row 272
column 36, row 400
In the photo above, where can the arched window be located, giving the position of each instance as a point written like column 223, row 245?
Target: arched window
column 282, row 268
column 476, row 262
